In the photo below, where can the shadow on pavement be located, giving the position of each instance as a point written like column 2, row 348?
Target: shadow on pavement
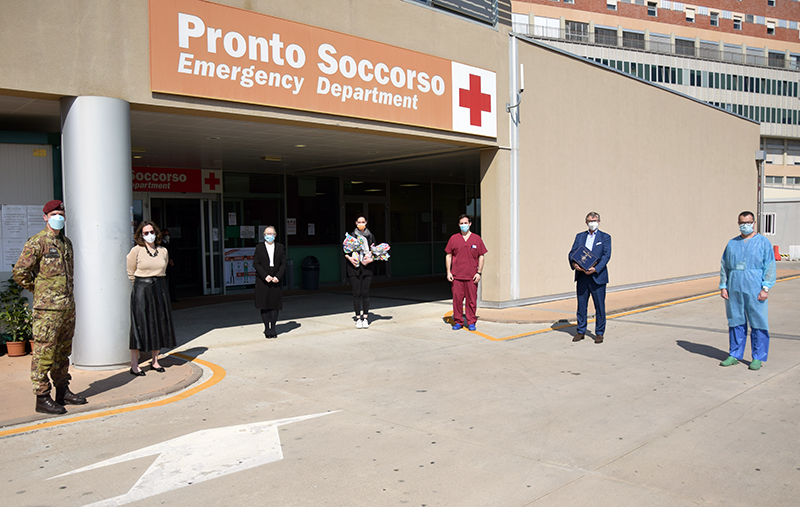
column 286, row 327
column 703, row 350
column 563, row 326
column 191, row 323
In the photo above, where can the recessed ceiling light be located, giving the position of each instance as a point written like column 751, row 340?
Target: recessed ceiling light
column 137, row 150
column 373, row 190
column 137, row 156
column 213, row 138
column 299, row 145
column 409, row 185
column 356, row 182
column 271, row 159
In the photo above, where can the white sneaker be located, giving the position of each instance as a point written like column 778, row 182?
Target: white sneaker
column 359, row 325
column 364, row 323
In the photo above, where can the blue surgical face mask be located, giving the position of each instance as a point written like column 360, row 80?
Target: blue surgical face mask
column 463, row 227
column 746, row 229
column 56, row 222
column 269, row 238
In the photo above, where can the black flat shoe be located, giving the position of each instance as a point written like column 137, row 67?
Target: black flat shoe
column 139, row 373
column 160, row 369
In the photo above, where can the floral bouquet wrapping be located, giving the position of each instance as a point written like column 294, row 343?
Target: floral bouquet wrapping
column 381, row 252
column 350, row 244
column 356, row 245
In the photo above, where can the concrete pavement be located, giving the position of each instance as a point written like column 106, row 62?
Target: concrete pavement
column 422, row 415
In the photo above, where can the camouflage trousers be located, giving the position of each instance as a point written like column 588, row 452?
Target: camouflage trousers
column 52, row 345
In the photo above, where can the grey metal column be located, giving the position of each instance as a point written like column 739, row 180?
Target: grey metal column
column 96, row 151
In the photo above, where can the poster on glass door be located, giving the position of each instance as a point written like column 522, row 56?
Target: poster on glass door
column 239, row 266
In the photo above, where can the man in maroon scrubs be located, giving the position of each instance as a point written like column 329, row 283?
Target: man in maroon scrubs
column 464, row 262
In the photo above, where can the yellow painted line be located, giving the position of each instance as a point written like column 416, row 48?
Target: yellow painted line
column 218, row 373
column 613, row 316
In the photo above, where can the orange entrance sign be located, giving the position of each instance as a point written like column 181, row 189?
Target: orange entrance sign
column 202, row 49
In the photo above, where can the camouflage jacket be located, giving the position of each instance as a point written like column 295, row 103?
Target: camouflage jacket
column 45, row 267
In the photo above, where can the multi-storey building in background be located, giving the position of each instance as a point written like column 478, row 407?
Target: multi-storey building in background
column 740, row 55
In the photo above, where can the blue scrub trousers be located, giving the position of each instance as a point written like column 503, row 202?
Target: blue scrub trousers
column 585, row 287
column 759, row 341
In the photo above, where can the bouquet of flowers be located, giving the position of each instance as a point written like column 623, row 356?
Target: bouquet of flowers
column 381, row 252
column 356, row 246
column 350, row 244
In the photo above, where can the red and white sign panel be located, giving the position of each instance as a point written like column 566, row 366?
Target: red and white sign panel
column 163, row 179
column 474, row 95
column 168, row 179
column 202, row 49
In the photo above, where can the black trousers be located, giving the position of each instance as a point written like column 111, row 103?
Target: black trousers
column 360, row 287
column 269, row 317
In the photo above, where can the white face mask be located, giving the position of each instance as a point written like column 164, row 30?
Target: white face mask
column 150, row 237
column 593, row 226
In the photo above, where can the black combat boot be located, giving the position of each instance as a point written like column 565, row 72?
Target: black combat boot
column 66, row 397
column 46, row 405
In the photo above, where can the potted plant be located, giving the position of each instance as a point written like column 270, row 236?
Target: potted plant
column 15, row 318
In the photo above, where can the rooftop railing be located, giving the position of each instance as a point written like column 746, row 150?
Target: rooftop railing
column 659, row 45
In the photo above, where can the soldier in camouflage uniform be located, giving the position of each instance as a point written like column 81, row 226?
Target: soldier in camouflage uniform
column 45, row 268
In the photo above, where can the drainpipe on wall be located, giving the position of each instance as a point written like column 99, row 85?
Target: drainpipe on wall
column 760, row 156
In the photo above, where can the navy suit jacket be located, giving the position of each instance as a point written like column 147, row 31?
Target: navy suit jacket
column 601, row 248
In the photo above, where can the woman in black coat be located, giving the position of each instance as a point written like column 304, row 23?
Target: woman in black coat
column 359, row 272
column 269, row 262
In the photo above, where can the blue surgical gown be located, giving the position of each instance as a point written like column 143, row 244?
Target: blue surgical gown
column 747, row 266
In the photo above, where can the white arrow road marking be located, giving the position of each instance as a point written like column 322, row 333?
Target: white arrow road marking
column 200, row 456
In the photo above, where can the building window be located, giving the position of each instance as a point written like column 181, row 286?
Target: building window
column 771, row 3
column 714, row 19
column 770, row 28
column 793, row 180
column 684, row 47
column 776, row 59
column 652, row 10
column 689, row 15
column 773, row 180
column 633, row 40
column 611, row 5
column 737, row 23
column 577, row 31
column 605, row 36
column 769, row 224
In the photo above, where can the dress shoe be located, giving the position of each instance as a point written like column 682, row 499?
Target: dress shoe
column 578, row 337
column 159, row 369
column 598, row 338
column 139, row 373
column 46, row 405
column 66, row 397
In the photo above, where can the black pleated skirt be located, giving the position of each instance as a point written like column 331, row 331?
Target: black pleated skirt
column 151, row 315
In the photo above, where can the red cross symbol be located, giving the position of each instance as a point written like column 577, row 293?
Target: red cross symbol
column 474, row 100
column 212, row 181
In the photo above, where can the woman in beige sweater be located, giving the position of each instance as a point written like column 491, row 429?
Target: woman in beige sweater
column 151, row 314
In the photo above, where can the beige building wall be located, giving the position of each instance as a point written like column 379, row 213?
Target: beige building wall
column 667, row 174
column 97, row 47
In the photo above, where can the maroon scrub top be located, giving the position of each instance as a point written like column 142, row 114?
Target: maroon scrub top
column 465, row 255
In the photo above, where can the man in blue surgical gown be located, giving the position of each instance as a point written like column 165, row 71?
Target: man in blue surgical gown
column 746, row 275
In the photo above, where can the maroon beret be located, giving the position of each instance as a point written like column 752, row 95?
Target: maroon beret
column 52, row 206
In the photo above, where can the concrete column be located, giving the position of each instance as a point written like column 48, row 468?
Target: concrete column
column 646, row 39
column 495, row 230
column 96, row 151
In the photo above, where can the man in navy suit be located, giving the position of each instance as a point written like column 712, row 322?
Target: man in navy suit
column 594, row 280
